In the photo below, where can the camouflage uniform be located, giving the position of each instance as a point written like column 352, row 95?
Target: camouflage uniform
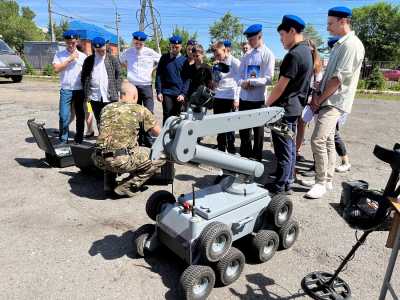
column 119, row 130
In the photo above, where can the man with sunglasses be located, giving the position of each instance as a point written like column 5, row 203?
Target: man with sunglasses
column 68, row 63
column 140, row 62
column 256, row 72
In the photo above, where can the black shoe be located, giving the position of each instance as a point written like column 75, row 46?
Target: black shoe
column 88, row 136
column 232, row 149
column 300, row 158
column 273, row 189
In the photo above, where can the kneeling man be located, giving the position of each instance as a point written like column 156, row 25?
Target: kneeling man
column 117, row 148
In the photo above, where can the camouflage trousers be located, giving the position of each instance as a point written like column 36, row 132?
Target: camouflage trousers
column 137, row 164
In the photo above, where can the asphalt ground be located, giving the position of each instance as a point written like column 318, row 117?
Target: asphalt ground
column 61, row 238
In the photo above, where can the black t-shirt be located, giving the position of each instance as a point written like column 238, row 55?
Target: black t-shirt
column 198, row 76
column 297, row 65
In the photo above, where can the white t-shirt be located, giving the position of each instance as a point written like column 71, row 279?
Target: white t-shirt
column 70, row 77
column 140, row 64
column 227, row 87
column 99, row 80
column 257, row 67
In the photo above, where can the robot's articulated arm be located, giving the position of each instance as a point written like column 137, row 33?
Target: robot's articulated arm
column 178, row 138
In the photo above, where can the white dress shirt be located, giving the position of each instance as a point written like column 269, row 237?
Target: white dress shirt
column 140, row 64
column 99, row 80
column 257, row 67
column 227, row 87
column 70, row 77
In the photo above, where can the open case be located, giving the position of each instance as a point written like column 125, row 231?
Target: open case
column 56, row 156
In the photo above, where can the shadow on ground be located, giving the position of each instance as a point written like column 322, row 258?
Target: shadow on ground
column 32, row 163
column 162, row 262
column 86, row 185
column 261, row 292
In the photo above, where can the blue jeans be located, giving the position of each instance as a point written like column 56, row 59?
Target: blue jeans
column 67, row 99
column 285, row 152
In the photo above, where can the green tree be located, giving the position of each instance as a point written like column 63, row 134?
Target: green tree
column 377, row 26
column 59, row 30
column 164, row 43
column 312, row 34
column 16, row 27
column 227, row 28
column 27, row 13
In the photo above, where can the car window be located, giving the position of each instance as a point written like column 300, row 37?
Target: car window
column 4, row 48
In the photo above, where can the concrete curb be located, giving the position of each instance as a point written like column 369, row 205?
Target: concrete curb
column 377, row 92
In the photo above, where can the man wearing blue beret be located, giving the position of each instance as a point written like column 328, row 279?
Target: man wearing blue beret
column 101, row 78
column 68, row 63
column 335, row 96
column 171, row 83
column 141, row 61
column 256, row 72
column 291, row 92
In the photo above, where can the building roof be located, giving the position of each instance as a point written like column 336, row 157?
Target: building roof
column 89, row 31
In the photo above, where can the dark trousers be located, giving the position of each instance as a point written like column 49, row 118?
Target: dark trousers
column 225, row 141
column 246, row 148
column 339, row 143
column 97, row 106
column 171, row 107
column 285, row 152
column 145, row 93
column 68, row 98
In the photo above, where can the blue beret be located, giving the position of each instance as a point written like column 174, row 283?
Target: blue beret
column 340, row 12
column 191, row 43
column 70, row 34
column 332, row 41
column 140, row 36
column 228, row 43
column 289, row 21
column 175, row 39
column 98, row 42
column 253, row 30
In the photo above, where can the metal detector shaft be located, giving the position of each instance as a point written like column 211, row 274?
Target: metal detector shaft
column 348, row 257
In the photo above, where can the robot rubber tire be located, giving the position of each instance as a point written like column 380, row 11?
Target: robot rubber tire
column 280, row 210
column 155, row 202
column 288, row 234
column 142, row 237
column 215, row 241
column 265, row 244
column 197, row 282
column 230, row 267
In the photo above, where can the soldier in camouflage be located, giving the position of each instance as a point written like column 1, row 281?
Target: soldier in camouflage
column 117, row 148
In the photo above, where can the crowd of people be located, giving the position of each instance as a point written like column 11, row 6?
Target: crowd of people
column 90, row 83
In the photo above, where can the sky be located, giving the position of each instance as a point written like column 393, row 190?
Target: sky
column 195, row 16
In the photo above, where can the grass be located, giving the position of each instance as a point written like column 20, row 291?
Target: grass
column 377, row 97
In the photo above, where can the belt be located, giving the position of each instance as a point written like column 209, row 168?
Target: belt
column 112, row 153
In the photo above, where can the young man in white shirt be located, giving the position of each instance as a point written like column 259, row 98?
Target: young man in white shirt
column 68, row 63
column 141, row 61
column 226, row 74
column 256, row 72
column 101, row 78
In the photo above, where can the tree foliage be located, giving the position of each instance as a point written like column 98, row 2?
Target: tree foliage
column 377, row 26
column 164, row 43
column 59, row 30
column 17, row 25
column 312, row 34
column 227, row 28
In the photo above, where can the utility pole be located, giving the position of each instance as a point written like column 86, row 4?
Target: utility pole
column 155, row 27
column 142, row 14
column 51, row 25
column 117, row 23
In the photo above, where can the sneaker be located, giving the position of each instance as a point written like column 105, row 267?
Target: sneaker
column 329, row 186
column 343, row 168
column 317, row 191
column 306, row 183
